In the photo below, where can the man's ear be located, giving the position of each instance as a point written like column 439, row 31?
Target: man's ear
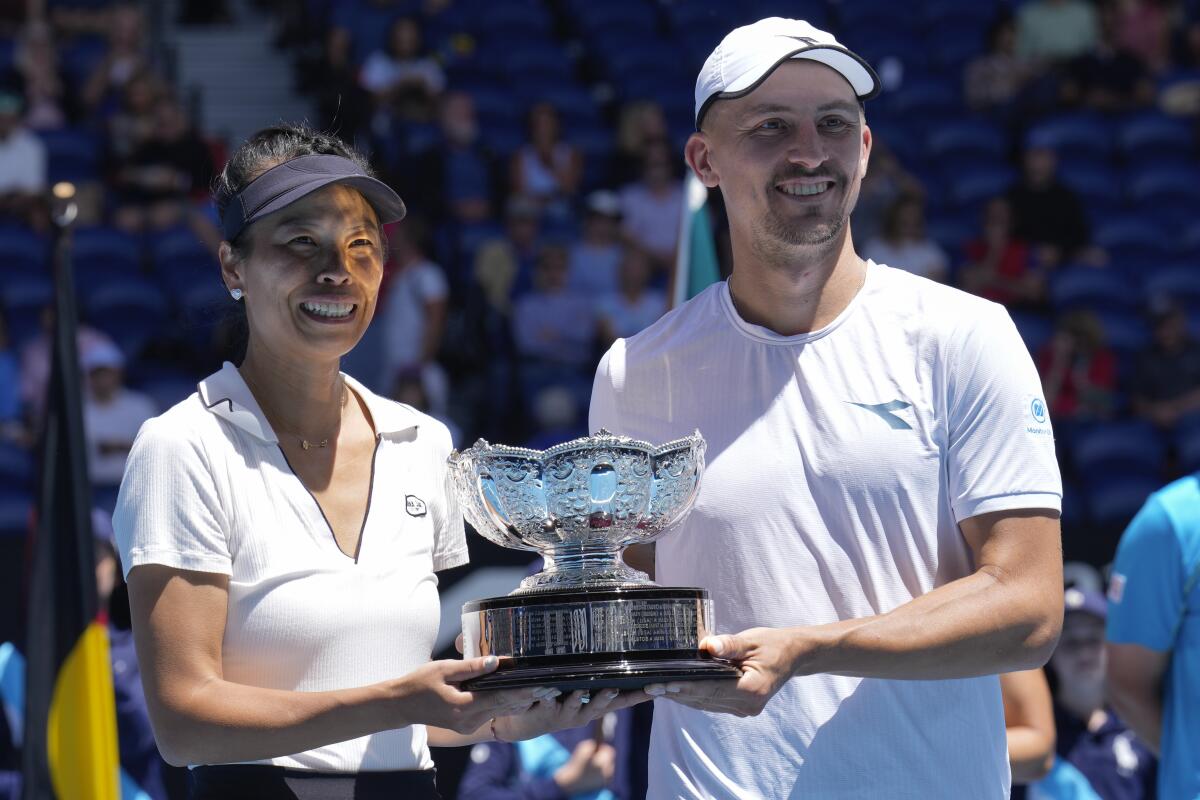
column 699, row 157
column 231, row 267
column 865, row 157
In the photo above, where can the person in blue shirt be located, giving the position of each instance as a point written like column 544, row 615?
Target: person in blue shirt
column 1154, row 633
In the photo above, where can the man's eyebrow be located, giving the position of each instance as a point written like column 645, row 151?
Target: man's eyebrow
column 839, row 105
column 777, row 108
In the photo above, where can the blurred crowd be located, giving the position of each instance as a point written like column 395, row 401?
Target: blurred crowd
column 1044, row 154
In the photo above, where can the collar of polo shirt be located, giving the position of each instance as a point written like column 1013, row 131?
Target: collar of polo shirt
column 227, row 395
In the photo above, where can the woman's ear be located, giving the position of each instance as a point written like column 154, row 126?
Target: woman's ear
column 231, row 267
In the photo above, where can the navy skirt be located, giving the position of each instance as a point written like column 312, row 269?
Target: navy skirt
column 266, row 782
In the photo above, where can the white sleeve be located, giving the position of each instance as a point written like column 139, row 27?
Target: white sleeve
column 168, row 511
column 449, row 535
column 432, row 283
column 1000, row 442
column 603, row 410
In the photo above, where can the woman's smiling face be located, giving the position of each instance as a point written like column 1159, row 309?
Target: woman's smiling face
column 310, row 274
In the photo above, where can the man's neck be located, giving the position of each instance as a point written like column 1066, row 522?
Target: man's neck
column 799, row 293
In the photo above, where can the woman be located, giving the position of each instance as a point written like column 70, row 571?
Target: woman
column 546, row 168
column 280, row 528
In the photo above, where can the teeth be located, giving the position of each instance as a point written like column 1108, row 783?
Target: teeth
column 329, row 309
column 804, row 190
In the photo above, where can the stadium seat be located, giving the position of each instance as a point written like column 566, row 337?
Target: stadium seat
column 504, row 20
column 1165, row 186
column 1073, row 133
column 975, row 184
column 22, row 251
column 1091, row 288
column 1157, row 133
column 1179, row 283
column 1035, row 329
column 1187, row 449
column 924, row 97
column 1125, row 332
column 968, row 137
column 534, row 62
column 16, row 468
column 15, row 515
column 597, row 18
column 857, row 15
column 1134, row 234
column 1115, row 501
column 1125, row 448
column 131, row 312
column 71, row 155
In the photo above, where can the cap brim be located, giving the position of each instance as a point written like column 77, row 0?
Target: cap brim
column 387, row 204
column 857, row 72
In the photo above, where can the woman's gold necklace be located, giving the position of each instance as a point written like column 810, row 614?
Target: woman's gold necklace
column 306, row 444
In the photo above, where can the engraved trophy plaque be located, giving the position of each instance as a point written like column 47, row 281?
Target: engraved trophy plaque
column 587, row 620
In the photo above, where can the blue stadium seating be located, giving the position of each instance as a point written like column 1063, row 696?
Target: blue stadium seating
column 1166, row 185
column 505, row 20
column 1187, row 448
column 971, row 138
column 16, row 468
column 922, row 97
column 22, row 251
column 1073, row 133
column 1180, row 283
column 1114, row 501
column 1156, row 132
column 980, row 182
column 1125, row 332
column 15, row 511
column 1118, row 448
column 131, row 312
column 1134, row 234
column 1092, row 288
column 72, row 155
column 1035, row 329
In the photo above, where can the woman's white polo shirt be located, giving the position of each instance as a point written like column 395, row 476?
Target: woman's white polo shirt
column 208, row 488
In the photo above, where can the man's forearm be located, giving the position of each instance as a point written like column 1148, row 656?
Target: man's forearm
column 982, row 624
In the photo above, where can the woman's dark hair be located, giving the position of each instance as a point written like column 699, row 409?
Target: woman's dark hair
column 271, row 147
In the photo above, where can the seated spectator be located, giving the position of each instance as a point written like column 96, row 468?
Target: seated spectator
column 112, row 414
column 641, row 124
column 634, row 306
column 35, row 364
column 50, row 99
column 401, row 77
column 1107, row 78
column 503, row 267
column 134, row 117
column 999, row 266
column 12, row 423
column 652, row 206
column 994, row 79
column 1098, row 755
column 903, row 243
column 1055, row 30
column 415, row 300
column 1143, row 29
column 885, row 182
column 461, row 168
column 596, row 258
column 425, row 391
column 1047, row 213
column 546, row 168
column 22, row 165
column 1167, row 383
column 125, row 59
column 1079, row 373
column 155, row 182
column 556, row 418
column 552, row 324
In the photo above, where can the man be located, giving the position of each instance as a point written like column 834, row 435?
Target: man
column 1154, row 633
column 879, row 512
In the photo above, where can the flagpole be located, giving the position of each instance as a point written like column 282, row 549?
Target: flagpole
column 69, row 748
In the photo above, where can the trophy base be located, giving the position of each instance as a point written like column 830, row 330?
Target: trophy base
column 593, row 638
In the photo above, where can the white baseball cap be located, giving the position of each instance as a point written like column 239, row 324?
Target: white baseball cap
column 747, row 55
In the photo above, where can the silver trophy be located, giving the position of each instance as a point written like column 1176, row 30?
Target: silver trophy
column 587, row 620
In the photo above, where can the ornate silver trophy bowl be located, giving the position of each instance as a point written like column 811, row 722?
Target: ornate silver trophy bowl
column 587, row 619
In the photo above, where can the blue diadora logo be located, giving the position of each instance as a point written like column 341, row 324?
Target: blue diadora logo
column 1038, row 409
column 887, row 413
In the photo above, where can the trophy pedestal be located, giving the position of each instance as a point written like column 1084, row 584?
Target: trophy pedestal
column 592, row 638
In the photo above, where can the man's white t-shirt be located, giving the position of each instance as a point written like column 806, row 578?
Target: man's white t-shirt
column 207, row 488
column 110, row 429
column 839, row 463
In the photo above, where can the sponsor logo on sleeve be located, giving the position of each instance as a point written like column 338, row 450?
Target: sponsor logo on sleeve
column 1116, row 587
column 1039, row 424
column 414, row 505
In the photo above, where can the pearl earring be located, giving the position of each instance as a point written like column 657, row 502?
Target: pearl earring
column 236, row 294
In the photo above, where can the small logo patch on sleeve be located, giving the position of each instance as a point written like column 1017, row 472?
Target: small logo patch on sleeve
column 1116, row 587
column 414, row 505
